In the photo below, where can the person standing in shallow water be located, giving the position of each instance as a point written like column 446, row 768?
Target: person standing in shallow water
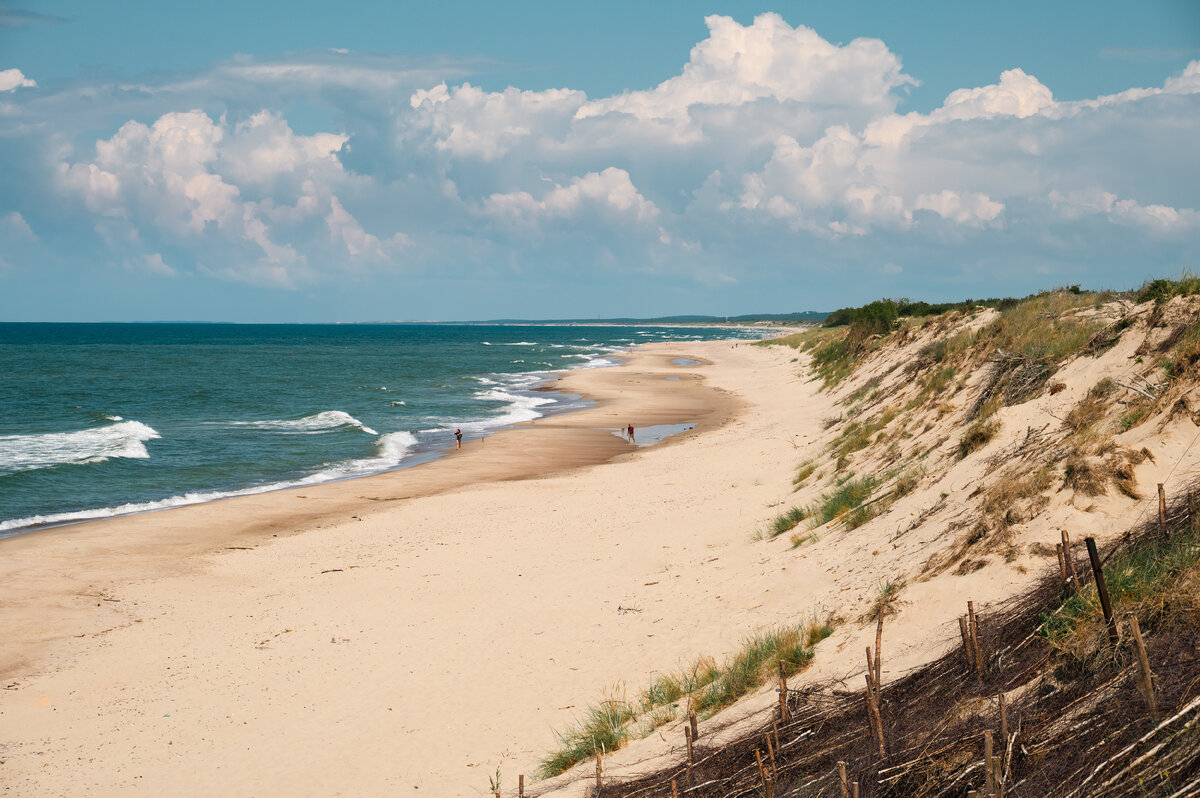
column 629, row 433
column 458, row 438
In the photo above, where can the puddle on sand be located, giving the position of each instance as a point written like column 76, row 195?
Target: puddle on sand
column 673, row 379
column 648, row 436
column 684, row 361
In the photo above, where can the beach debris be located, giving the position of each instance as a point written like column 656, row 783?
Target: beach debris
column 624, row 610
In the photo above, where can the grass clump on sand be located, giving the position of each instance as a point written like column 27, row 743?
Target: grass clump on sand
column 708, row 686
column 1147, row 580
column 803, row 472
column 787, row 521
column 604, row 727
column 977, row 435
column 1162, row 290
column 844, row 500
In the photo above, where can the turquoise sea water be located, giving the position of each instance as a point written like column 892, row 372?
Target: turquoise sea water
column 103, row 419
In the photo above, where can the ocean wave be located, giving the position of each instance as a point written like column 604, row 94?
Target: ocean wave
column 123, row 439
column 390, row 449
column 521, row 343
column 518, row 407
column 324, row 421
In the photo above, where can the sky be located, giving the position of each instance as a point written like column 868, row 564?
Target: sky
column 306, row 161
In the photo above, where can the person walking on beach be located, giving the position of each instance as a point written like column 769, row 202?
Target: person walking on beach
column 458, row 439
column 629, row 433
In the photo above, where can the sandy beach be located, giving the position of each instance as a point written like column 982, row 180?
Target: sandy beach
column 414, row 630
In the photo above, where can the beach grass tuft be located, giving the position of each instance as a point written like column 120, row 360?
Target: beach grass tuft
column 787, row 521
column 708, row 686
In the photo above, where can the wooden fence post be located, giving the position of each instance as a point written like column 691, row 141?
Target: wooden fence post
column 973, row 628
column 783, row 707
column 1162, row 510
column 966, row 640
column 989, row 772
column 599, row 782
column 1066, row 542
column 1062, row 563
column 1145, row 677
column 878, row 648
column 877, row 721
column 1102, row 589
column 521, row 786
column 845, row 781
column 687, row 735
column 674, row 789
column 694, row 723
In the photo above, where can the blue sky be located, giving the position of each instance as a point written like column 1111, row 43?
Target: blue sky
column 307, row 161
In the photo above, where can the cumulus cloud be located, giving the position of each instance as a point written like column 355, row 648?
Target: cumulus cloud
column 13, row 79
column 609, row 192
column 737, row 65
column 768, row 140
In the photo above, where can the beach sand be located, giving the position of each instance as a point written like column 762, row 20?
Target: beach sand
column 414, row 630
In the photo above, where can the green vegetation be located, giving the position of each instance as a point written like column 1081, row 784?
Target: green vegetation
column 1162, row 290
column 604, row 727
column 708, row 686
column 1044, row 327
column 803, row 472
column 1144, row 580
column 857, row 434
column 977, row 435
column 786, row 522
column 845, row 498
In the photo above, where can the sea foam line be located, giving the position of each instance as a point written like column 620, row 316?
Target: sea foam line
column 390, row 449
column 124, row 439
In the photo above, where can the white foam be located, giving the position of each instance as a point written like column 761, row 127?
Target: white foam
column 124, row 439
column 390, row 449
column 324, row 421
column 521, row 343
column 397, row 403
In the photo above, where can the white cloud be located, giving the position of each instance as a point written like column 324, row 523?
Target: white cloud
column 14, row 223
column 768, row 59
column 466, row 121
column 969, row 208
column 153, row 264
column 609, row 192
column 13, row 79
column 1153, row 217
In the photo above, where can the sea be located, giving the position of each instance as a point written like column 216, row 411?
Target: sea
column 98, row 420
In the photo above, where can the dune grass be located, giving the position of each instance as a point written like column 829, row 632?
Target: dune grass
column 786, row 521
column 1144, row 580
column 708, row 686
column 846, row 498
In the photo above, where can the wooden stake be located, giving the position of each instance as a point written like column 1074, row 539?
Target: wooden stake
column 687, row 735
column 873, row 709
column 1145, row 677
column 844, row 780
column 871, row 684
column 694, row 724
column 1162, row 510
column 599, row 783
column 1062, row 562
column 1191, row 509
column 973, row 628
column 1003, row 729
column 762, row 774
column 775, row 727
column 770, row 754
column 854, row 791
column 989, row 772
column 521, row 786
column 1066, row 542
column 878, row 648
column 783, row 707
column 1102, row 589
column 674, row 789
column 966, row 638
